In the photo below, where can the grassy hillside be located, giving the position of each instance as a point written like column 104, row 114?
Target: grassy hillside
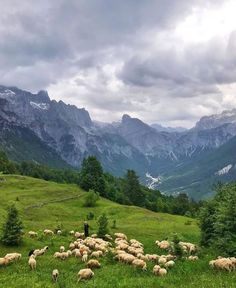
column 45, row 205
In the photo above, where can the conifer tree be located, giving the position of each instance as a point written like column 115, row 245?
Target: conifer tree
column 12, row 229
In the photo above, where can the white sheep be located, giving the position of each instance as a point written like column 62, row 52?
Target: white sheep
column 32, row 234
column 85, row 257
column 32, row 262
column 92, row 263
column 62, row 249
column 139, row 263
column 13, row 256
column 158, row 271
column 4, row 261
column 48, row 232
column 55, row 275
column 85, row 274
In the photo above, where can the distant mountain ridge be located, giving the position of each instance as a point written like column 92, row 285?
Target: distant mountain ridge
column 68, row 134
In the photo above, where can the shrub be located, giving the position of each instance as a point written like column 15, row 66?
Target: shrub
column 90, row 216
column 102, row 225
column 177, row 250
column 90, row 199
column 12, row 229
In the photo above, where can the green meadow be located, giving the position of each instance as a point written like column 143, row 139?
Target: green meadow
column 47, row 205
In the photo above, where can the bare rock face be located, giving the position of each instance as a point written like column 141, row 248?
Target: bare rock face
column 128, row 144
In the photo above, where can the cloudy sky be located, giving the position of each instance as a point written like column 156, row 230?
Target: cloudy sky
column 164, row 61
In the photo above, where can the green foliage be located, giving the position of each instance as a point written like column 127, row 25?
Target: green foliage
column 177, row 250
column 6, row 166
column 113, row 224
column 133, row 190
column 90, row 199
column 12, row 229
column 91, row 176
column 218, row 220
column 90, row 216
column 102, row 225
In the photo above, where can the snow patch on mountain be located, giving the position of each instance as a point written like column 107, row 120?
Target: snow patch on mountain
column 42, row 106
column 224, row 170
column 152, row 182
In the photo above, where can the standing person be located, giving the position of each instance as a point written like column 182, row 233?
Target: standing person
column 86, row 229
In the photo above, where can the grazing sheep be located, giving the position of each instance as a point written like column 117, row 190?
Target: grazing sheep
column 13, row 256
column 85, row 274
column 92, row 263
column 162, row 260
column 79, row 235
column 48, row 232
column 108, row 237
column 139, row 263
column 55, row 275
column 222, row 264
column 59, row 232
column 72, row 232
column 158, row 271
column 62, row 249
column 72, row 246
column 193, row 258
column 85, row 257
column 121, row 236
column 163, row 244
column 40, row 252
column 32, row 234
column 4, row 261
column 169, row 264
column 96, row 254
column 32, row 262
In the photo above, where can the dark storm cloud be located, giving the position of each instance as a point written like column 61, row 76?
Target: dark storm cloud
column 70, row 47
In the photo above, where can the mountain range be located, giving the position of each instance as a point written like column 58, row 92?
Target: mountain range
column 174, row 160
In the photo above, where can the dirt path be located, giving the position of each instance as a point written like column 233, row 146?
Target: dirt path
column 39, row 205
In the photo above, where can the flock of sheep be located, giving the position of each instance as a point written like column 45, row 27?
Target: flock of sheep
column 131, row 252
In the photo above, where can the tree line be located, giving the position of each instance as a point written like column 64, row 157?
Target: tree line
column 124, row 190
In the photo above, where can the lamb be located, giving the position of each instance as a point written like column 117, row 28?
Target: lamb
column 32, row 234
column 55, row 275
column 4, row 261
column 92, row 263
column 140, row 263
column 72, row 232
column 32, row 262
column 85, row 274
column 13, row 256
column 48, row 232
column 79, row 235
column 158, row 271
column 59, row 232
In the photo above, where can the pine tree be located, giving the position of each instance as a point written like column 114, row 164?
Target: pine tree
column 12, row 229
column 102, row 225
column 91, row 176
column 133, row 190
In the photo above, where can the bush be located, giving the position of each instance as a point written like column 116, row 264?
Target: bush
column 218, row 220
column 102, row 225
column 90, row 199
column 12, row 229
column 177, row 250
column 90, row 216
